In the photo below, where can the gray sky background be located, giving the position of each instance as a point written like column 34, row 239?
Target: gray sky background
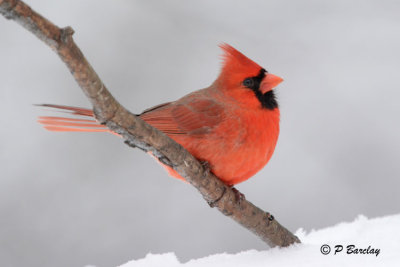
column 70, row 199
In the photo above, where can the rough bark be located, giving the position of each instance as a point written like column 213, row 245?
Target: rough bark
column 139, row 134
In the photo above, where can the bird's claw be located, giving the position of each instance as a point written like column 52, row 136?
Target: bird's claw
column 214, row 202
column 205, row 165
column 239, row 197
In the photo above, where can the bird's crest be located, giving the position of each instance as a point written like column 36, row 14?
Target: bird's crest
column 236, row 66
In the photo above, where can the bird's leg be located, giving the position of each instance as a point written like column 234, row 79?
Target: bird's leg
column 207, row 170
column 239, row 197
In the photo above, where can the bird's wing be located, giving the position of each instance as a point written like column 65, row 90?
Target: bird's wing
column 193, row 116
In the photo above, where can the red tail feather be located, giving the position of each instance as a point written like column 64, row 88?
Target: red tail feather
column 74, row 110
column 65, row 124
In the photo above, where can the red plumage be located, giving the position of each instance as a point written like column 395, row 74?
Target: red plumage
column 233, row 124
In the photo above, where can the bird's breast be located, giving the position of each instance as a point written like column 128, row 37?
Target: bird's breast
column 241, row 145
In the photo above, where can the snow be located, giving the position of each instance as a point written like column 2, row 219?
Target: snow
column 378, row 237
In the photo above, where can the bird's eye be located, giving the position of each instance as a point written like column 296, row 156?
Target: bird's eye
column 249, row 82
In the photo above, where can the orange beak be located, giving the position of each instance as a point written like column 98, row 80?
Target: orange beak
column 269, row 82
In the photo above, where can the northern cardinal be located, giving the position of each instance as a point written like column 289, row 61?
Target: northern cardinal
column 233, row 125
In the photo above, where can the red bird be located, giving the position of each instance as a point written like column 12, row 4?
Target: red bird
column 233, row 125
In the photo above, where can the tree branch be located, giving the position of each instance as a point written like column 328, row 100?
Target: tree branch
column 137, row 133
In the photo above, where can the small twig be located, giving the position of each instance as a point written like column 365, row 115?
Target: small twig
column 137, row 133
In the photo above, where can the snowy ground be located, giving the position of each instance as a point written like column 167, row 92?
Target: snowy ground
column 379, row 238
